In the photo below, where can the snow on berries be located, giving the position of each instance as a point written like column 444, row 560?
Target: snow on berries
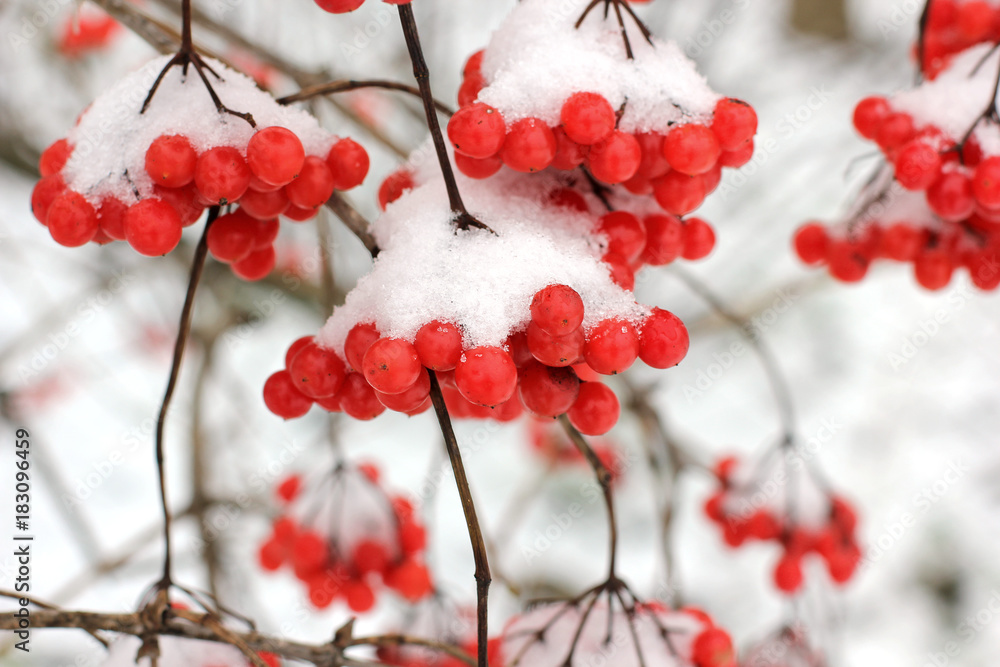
column 524, row 317
column 762, row 502
column 181, row 652
column 548, row 93
column 123, row 174
column 346, row 538
column 575, row 634
column 936, row 204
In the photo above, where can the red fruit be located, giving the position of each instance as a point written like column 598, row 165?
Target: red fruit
column 360, row 597
column 271, row 554
column 264, row 233
column 231, row 237
column 679, row 193
column 517, row 347
column 393, row 187
column 283, row 398
column 612, row 346
column 300, row 214
column 547, row 392
column 556, row 351
column 71, row 220
column 896, row 130
column 615, row 159
column 359, row 339
column 477, row 130
column 438, row 345
column 411, row 580
column 317, row 371
column 737, row 157
column 370, row 557
column 358, row 399
column 410, row 399
column 264, row 205
column 569, row 154
column 811, row 243
column 663, row 339
column 339, row 6
column 289, row 489
column 45, row 192
column 486, row 376
column 152, row 227
column 255, row 266
column 788, row 574
column 626, row 235
column 713, row 648
column 734, row 123
column 186, row 201
column 933, row 268
column 621, row 271
column 313, row 186
column 275, row 155
column 714, row 507
column 653, row 164
column 323, row 590
column 568, row 198
column 986, row 183
column 691, row 149
column 699, row 239
column 412, row 536
column 468, row 92
column 869, row 115
column 763, row 526
column 975, row 20
column 917, row 165
column 171, row 161
column 111, row 218
column 596, row 409
column 846, row 263
column 587, row 118
column 478, row 169
column 391, row 365
column 557, row 310
column 222, row 175
column 951, row 196
column 348, row 162
column 664, row 239
column 842, row 563
column 474, row 63
column 530, row 146
column 309, row 552
column 54, row 158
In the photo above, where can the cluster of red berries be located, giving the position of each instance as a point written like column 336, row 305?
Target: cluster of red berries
column 535, row 370
column 381, row 548
column 550, row 443
column 741, row 520
column 679, row 168
column 270, row 176
column 954, row 26
column 345, row 6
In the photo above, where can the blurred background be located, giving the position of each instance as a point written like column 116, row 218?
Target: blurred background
column 895, row 388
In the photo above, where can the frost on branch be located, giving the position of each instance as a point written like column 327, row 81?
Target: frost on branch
column 141, row 176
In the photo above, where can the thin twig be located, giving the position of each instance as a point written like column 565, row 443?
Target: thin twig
column 345, row 85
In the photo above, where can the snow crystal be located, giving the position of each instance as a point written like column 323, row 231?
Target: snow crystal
column 957, row 97
column 536, row 60
column 480, row 281
column 111, row 138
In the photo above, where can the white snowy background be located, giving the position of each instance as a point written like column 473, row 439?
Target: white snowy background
column 893, row 386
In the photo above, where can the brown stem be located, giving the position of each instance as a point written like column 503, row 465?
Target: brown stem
column 354, row 221
column 421, row 73
column 184, row 329
column 471, row 520
column 345, row 85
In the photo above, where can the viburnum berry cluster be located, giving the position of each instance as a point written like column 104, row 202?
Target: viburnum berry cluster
column 524, row 316
column 952, row 26
column 542, row 95
column 345, row 537
column 182, row 652
column 764, row 503
column 936, row 204
column 124, row 174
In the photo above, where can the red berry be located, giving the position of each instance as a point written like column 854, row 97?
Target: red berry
column 111, row 218
column 468, row 92
column 477, row 130
column 616, row 158
column 556, row 351
column 152, row 227
column 313, row 186
column 587, row 118
column 282, row 397
column 557, row 310
column 869, row 115
column 664, row 239
column 222, row 175
column 900, row 242
column 811, row 243
column 569, row 154
column 713, row 648
column 896, row 130
column 359, row 339
column 474, row 63
column 663, row 339
column 309, row 552
column 393, row 187
column 439, row 345
column 275, row 155
column 737, row 157
column 289, row 489
column 679, row 193
column 264, row 234
column 530, row 146
column 917, row 165
column 621, row 271
column 339, row 6
column 171, row 161
column 933, row 268
column 272, row 555
column 391, row 365
column 546, row 391
column 699, row 239
column 317, row 371
column 788, row 574
column 360, row 597
column 845, row 261
column 264, row 205
column 411, row 580
column 986, row 183
column 186, row 201
column 517, row 347
column 411, row 398
column 255, row 266
column 300, row 214
column 71, row 220
column 412, row 536
column 54, row 158
column 231, row 237
column 612, row 346
column 486, row 376
column 734, row 123
column 626, row 235
column 596, row 409
column 45, row 192
column 951, row 196
column 358, row 399
column 691, row 149
column 478, row 169
column 568, row 198
column 370, row 557
column 976, row 20
column 348, row 162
